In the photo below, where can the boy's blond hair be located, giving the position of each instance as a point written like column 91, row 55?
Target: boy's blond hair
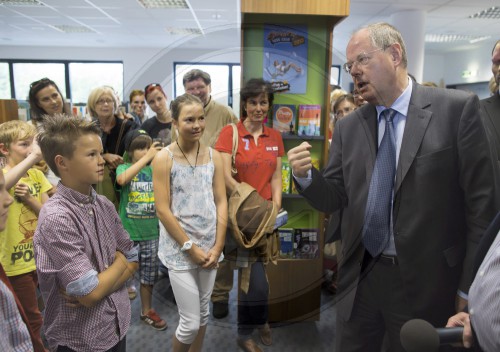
column 59, row 134
column 13, row 131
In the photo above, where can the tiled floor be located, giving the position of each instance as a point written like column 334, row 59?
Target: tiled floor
column 221, row 333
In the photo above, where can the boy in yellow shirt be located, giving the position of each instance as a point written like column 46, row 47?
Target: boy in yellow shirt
column 30, row 192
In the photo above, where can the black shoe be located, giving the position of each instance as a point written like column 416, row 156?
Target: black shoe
column 220, row 310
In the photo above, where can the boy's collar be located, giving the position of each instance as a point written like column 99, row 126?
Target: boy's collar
column 77, row 196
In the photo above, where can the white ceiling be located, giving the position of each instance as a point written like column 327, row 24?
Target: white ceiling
column 124, row 23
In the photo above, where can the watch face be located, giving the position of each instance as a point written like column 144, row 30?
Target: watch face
column 187, row 246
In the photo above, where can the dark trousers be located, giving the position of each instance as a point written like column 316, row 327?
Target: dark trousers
column 119, row 347
column 380, row 308
column 25, row 287
column 253, row 307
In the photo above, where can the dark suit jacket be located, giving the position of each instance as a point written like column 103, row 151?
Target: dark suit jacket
column 490, row 112
column 491, row 116
column 443, row 197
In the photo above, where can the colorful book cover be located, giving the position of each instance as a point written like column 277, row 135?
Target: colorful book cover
column 286, row 177
column 286, row 242
column 309, row 122
column 284, row 116
column 306, row 244
column 285, row 57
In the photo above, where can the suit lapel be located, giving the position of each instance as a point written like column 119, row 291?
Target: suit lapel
column 417, row 120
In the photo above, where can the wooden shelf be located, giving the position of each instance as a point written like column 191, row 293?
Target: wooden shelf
column 302, row 138
column 295, row 284
column 8, row 110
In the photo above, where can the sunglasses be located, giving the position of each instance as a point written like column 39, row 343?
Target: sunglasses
column 43, row 81
column 151, row 86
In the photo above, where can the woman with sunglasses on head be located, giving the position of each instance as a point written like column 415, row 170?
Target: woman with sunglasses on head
column 159, row 127
column 45, row 98
column 102, row 108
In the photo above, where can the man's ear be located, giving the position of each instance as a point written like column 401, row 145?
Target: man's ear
column 396, row 53
column 3, row 149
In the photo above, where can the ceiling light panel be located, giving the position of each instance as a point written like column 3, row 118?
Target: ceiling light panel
column 453, row 38
column 163, row 4
column 183, row 31
column 492, row 13
column 21, row 3
column 73, row 29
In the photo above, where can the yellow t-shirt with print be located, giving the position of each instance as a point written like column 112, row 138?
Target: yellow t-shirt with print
column 16, row 241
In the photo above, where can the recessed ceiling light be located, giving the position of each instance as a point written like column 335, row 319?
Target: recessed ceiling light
column 21, row 3
column 163, row 4
column 479, row 39
column 183, row 31
column 492, row 13
column 73, row 29
column 451, row 38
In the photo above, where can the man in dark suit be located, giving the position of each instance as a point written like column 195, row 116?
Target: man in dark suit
column 490, row 109
column 491, row 105
column 407, row 246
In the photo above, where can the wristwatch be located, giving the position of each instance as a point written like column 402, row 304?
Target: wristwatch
column 187, row 246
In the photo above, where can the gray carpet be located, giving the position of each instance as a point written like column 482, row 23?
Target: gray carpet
column 221, row 333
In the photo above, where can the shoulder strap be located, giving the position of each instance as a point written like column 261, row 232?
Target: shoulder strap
column 234, row 171
column 170, row 152
column 120, row 135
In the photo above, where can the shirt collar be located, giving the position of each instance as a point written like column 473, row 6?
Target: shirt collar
column 76, row 196
column 243, row 132
column 402, row 102
column 209, row 104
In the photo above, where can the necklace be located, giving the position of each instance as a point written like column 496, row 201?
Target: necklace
column 197, row 152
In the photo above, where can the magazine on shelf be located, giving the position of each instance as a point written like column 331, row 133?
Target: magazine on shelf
column 284, row 118
column 306, row 243
column 286, row 242
column 309, row 121
column 281, row 218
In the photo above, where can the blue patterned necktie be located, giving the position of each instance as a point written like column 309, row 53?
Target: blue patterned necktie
column 377, row 226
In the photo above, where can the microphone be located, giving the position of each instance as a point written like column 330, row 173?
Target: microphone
column 418, row 335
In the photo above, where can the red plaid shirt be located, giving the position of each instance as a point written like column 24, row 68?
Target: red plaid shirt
column 76, row 238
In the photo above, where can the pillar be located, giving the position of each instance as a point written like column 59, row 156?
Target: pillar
column 411, row 24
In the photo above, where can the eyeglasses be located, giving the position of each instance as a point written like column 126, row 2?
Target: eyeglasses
column 361, row 60
column 105, row 101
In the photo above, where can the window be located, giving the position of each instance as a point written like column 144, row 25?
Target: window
column 335, row 75
column 75, row 79
column 27, row 72
column 85, row 76
column 225, row 84
column 4, row 81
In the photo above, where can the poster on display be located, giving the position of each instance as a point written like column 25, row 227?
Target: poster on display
column 285, row 58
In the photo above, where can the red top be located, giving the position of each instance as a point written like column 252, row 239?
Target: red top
column 255, row 163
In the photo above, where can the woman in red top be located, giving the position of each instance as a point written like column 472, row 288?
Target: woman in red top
column 258, row 161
